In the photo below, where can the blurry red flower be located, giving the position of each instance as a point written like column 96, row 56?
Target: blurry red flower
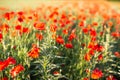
column 25, row 30
column 34, row 52
column 65, row 31
column 111, row 77
column 18, row 27
column 85, row 30
column 11, row 60
column 59, row 40
column 96, row 74
column 39, row 36
column 85, row 79
column 68, row 45
column 16, row 70
column 87, row 57
column 100, row 57
column 53, row 28
column 3, row 65
column 56, row 73
column 1, row 37
column 93, row 33
column 81, row 24
column 72, row 36
column 4, row 78
column 40, row 26
column 117, row 54
column 20, row 19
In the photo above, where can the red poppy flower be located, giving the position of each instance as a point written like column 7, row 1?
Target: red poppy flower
column 68, row 45
column 93, row 33
column 85, row 30
column 39, row 26
column 85, row 79
column 111, row 77
column 87, row 57
column 39, row 36
column 1, row 37
column 11, row 60
column 34, row 52
column 16, row 70
column 100, row 57
column 53, row 28
column 81, row 24
column 56, row 73
column 4, row 78
column 18, row 27
column 117, row 54
column 96, row 74
column 65, row 31
column 59, row 40
column 25, row 30
column 72, row 36
column 3, row 65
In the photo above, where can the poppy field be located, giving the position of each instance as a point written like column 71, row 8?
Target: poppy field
column 63, row 40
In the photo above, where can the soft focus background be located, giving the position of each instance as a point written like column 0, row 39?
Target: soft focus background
column 18, row 4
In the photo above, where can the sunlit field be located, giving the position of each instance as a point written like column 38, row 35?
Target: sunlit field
column 59, row 40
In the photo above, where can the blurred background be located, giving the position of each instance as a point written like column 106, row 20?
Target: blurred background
column 18, row 4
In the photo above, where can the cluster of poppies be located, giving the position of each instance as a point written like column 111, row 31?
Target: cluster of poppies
column 81, row 31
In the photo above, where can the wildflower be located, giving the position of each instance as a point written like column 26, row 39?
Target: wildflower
column 11, row 60
column 85, row 30
column 85, row 78
column 16, row 70
column 71, row 37
column 1, row 37
column 111, row 77
column 39, row 36
column 96, row 74
column 87, row 57
column 4, row 78
column 81, row 24
column 39, row 26
column 68, row 45
column 34, row 52
column 53, row 28
column 117, row 54
column 56, row 73
column 100, row 57
column 3, row 65
column 59, row 40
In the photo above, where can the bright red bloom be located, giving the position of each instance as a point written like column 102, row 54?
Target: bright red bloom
column 53, row 28
column 99, row 48
column 1, row 37
column 100, row 57
column 5, row 78
column 93, row 33
column 87, row 57
column 25, row 30
column 40, row 26
column 56, row 73
column 11, row 60
column 16, row 70
column 85, row 79
column 18, row 27
column 65, row 31
column 39, row 36
column 117, row 54
column 85, row 30
column 91, row 52
column 111, row 77
column 59, row 40
column 81, row 24
column 3, row 65
column 72, row 36
column 96, row 74
column 34, row 52
column 68, row 45
column 20, row 19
